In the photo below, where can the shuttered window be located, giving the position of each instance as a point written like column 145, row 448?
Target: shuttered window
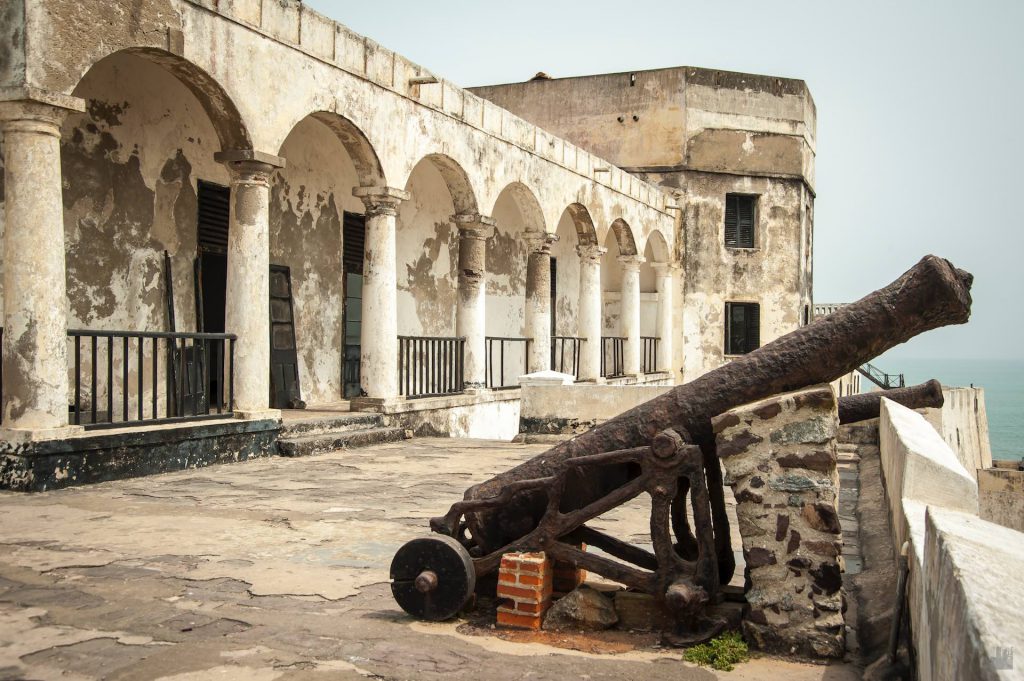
column 353, row 242
column 742, row 328
column 214, row 202
column 739, row 220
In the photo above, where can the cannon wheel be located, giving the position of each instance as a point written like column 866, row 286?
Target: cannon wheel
column 432, row 578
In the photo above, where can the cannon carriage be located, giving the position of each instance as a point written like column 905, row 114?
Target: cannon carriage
column 665, row 448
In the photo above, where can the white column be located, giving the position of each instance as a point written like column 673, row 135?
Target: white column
column 664, row 272
column 247, row 305
column 630, row 316
column 590, row 311
column 538, row 300
column 378, row 341
column 470, row 319
column 35, row 301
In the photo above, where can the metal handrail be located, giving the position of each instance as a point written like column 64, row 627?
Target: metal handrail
column 616, row 367
column 502, row 341
column 187, row 377
column 558, row 345
column 431, row 366
column 649, row 354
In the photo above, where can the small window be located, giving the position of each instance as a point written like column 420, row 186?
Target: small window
column 739, row 220
column 742, row 328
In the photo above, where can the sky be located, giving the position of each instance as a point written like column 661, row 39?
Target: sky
column 920, row 106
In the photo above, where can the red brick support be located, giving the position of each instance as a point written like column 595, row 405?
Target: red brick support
column 567, row 576
column 524, row 589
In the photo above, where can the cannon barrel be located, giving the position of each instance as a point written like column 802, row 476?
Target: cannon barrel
column 853, row 408
column 931, row 294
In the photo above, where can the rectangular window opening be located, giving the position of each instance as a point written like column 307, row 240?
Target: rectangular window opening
column 742, row 328
column 740, row 212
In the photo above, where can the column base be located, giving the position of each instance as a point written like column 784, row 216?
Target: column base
column 258, row 414
column 25, row 435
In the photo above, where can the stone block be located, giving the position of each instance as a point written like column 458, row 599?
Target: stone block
column 583, row 609
column 780, row 458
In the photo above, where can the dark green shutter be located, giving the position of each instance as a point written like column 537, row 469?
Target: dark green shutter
column 753, row 327
column 745, row 239
column 739, row 220
column 731, row 219
column 214, row 211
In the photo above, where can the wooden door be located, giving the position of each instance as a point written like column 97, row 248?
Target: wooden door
column 284, row 363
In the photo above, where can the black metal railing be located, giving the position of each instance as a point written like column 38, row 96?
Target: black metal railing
column 429, row 366
column 612, row 356
column 649, row 354
column 880, row 378
column 565, row 354
column 195, row 377
column 511, row 361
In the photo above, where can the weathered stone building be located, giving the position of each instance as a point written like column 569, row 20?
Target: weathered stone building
column 174, row 168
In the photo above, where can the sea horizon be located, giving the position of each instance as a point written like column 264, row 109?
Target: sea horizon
column 1002, row 380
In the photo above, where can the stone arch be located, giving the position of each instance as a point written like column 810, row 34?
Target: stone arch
column 223, row 114
column 624, row 237
column 364, row 157
column 527, row 203
column 657, row 247
column 457, row 180
column 586, row 233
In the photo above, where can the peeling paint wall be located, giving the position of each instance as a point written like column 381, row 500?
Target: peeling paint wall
column 130, row 167
column 427, row 256
column 771, row 274
column 307, row 201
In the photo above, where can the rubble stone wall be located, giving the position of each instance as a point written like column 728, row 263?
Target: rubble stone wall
column 780, row 459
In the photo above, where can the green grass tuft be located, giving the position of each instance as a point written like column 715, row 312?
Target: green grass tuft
column 719, row 653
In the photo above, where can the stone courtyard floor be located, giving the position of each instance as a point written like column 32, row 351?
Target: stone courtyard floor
column 275, row 569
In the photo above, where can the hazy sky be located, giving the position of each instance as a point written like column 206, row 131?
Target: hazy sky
column 920, row 112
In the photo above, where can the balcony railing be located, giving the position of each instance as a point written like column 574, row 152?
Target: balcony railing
column 120, row 379
column 649, row 354
column 509, row 357
column 430, row 366
column 612, row 356
column 565, row 354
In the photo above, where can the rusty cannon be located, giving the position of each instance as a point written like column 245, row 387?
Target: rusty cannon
column 665, row 448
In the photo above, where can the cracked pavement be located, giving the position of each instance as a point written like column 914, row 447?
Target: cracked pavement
column 275, row 570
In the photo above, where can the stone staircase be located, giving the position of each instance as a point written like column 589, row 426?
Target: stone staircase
column 870, row 577
column 319, row 434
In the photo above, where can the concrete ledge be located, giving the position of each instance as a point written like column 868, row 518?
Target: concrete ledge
column 973, row 603
column 131, row 452
column 918, row 466
column 577, row 407
column 405, row 406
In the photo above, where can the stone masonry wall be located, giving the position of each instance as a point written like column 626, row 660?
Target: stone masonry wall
column 780, row 459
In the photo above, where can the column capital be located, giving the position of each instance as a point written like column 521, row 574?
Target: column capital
column 248, row 166
column 474, row 225
column 665, row 269
column 540, row 242
column 631, row 262
column 29, row 109
column 591, row 252
column 381, row 200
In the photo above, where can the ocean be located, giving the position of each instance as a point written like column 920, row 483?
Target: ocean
column 1003, row 381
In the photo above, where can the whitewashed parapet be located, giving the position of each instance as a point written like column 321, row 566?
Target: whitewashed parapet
column 963, row 592
column 292, row 23
column 972, row 608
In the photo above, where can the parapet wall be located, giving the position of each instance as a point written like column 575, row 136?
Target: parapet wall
column 963, row 423
column 963, row 597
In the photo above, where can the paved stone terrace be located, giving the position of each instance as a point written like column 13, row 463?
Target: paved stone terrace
column 273, row 570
